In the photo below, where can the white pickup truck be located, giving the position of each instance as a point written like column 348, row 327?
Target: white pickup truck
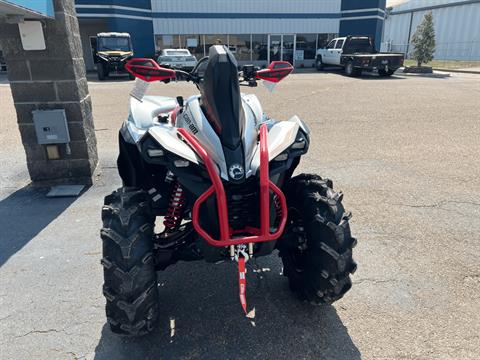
column 355, row 54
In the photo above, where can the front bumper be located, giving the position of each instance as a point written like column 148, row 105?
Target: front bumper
column 228, row 236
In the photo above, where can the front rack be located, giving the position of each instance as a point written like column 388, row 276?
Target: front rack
column 227, row 237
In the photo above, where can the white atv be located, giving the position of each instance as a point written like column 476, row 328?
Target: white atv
column 220, row 173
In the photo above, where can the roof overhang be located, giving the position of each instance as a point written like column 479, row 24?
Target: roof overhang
column 24, row 9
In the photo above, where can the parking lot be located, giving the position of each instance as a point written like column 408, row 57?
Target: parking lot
column 405, row 152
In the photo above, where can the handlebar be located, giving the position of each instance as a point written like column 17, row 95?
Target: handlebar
column 149, row 70
column 246, row 77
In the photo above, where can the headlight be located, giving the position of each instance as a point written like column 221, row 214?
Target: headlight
column 181, row 163
column 281, row 157
column 155, row 152
column 299, row 144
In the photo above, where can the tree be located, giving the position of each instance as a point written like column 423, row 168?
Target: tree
column 424, row 41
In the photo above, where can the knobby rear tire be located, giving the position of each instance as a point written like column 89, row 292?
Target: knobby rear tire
column 316, row 249
column 129, row 266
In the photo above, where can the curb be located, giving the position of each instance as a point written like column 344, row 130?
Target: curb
column 459, row 71
column 437, row 75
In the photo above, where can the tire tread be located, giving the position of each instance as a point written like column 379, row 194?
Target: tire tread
column 328, row 260
column 129, row 270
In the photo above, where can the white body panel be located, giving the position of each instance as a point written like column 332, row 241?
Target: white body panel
column 144, row 113
column 193, row 120
column 166, row 135
column 280, row 137
column 143, row 118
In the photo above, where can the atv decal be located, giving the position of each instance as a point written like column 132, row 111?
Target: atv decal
column 236, row 171
column 190, row 124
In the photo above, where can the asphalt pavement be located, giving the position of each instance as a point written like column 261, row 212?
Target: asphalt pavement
column 405, row 152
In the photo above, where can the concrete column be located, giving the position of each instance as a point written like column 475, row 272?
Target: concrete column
column 54, row 78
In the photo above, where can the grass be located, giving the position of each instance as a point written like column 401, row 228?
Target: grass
column 446, row 64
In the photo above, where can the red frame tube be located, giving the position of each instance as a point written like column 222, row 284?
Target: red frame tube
column 226, row 234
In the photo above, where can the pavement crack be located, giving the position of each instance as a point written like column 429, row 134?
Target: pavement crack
column 6, row 317
column 52, row 330
column 439, row 204
column 32, row 332
column 374, row 281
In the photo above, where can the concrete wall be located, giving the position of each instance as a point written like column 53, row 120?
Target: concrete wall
column 53, row 78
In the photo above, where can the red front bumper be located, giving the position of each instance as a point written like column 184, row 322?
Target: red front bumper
column 227, row 235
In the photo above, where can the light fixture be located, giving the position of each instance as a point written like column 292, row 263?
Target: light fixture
column 155, row 152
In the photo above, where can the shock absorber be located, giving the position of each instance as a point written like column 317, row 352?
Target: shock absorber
column 278, row 208
column 173, row 217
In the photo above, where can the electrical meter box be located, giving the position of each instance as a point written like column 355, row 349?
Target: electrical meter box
column 51, row 126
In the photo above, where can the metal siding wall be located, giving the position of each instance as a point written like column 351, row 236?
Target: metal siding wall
column 416, row 4
column 396, row 28
column 457, row 30
column 245, row 26
column 246, row 6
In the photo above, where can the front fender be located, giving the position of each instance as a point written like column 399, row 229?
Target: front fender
column 281, row 136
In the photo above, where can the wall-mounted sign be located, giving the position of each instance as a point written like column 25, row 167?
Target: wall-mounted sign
column 31, row 34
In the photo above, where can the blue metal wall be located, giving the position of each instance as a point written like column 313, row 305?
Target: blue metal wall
column 129, row 16
column 371, row 24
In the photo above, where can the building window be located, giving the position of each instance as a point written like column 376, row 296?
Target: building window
column 259, row 47
column 306, row 46
column 167, row 42
column 194, row 43
column 324, row 39
column 215, row 40
column 240, row 46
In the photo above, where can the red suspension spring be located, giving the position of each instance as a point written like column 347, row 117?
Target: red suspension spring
column 173, row 217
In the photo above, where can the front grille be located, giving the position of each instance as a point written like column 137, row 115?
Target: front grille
column 243, row 204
